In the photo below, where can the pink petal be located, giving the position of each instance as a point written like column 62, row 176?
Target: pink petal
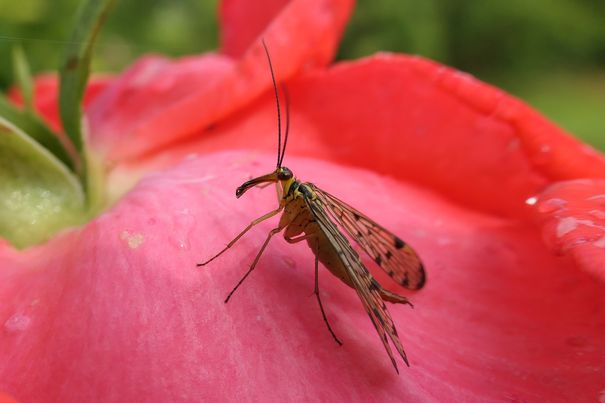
column 424, row 122
column 419, row 121
column 242, row 22
column 117, row 311
column 194, row 93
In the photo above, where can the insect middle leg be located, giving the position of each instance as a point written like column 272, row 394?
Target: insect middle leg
column 258, row 255
column 234, row 240
column 316, row 290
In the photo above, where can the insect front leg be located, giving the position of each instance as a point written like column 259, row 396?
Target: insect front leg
column 234, row 240
column 280, row 193
column 258, row 255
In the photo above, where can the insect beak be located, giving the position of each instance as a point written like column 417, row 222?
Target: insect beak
column 272, row 177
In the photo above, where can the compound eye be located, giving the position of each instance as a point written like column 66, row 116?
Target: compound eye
column 284, row 174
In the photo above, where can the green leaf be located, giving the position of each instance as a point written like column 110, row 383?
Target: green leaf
column 38, row 194
column 37, row 129
column 75, row 71
column 24, row 77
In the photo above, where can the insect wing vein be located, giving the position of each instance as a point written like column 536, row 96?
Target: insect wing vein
column 395, row 257
column 361, row 279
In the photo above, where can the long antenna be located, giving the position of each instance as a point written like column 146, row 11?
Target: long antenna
column 279, row 157
column 287, row 99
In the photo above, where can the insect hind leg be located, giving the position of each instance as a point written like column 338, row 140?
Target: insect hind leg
column 321, row 307
column 316, row 290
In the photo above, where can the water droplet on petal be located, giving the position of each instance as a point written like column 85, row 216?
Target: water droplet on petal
column 576, row 242
column 530, row 201
column 17, row 323
column 552, row 205
column 600, row 243
column 566, row 225
column 599, row 198
column 184, row 222
column 597, row 214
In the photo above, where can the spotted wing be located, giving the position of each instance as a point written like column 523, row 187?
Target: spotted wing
column 366, row 286
column 394, row 256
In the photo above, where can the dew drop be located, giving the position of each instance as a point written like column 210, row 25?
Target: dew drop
column 17, row 323
column 184, row 222
column 576, row 242
column 597, row 214
column 600, row 243
column 566, row 225
column 599, row 198
column 530, row 201
column 552, row 205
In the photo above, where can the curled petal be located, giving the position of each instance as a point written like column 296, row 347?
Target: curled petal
column 195, row 93
column 313, row 25
column 420, row 121
column 573, row 218
column 424, row 122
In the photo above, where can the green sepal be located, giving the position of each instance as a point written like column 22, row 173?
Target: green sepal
column 39, row 195
column 33, row 126
column 76, row 69
column 24, row 77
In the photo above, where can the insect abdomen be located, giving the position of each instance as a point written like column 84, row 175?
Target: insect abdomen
column 328, row 256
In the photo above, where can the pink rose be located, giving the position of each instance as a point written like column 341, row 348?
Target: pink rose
column 506, row 210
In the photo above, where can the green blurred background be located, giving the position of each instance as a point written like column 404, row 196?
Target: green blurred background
column 550, row 53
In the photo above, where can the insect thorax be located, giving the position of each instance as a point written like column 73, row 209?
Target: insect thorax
column 290, row 189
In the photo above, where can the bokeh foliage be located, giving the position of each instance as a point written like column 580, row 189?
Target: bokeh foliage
column 548, row 52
